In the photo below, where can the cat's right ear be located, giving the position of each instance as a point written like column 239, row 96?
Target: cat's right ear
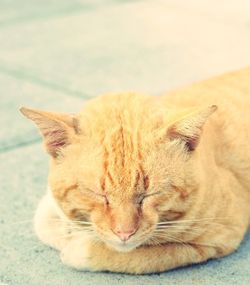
column 57, row 129
column 189, row 128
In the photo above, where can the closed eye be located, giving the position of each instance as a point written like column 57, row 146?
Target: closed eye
column 95, row 195
column 143, row 196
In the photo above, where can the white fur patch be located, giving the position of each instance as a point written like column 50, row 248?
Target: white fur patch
column 49, row 227
column 76, row 254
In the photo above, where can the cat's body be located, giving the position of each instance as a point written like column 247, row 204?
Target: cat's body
column 144, row 184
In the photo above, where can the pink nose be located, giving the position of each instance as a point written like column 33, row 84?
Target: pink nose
column 125, row 235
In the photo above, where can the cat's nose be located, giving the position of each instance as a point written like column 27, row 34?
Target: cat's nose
column 124, row 235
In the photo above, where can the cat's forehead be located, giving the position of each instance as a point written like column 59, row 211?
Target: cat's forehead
column 124, row 177
column 112, row 169
column 120, row 129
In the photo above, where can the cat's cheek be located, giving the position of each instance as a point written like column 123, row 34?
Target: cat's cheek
column 98, row 214
column 150, row 205
column 149, row 212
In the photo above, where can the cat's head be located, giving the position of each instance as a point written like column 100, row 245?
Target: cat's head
column 124, row 164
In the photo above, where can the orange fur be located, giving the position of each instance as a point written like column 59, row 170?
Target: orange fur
column 173, row 171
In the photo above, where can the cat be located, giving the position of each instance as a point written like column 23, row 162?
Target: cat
column 141, row 184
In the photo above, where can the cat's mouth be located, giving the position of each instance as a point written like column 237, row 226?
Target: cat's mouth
column 132, row 243
column 115, row 243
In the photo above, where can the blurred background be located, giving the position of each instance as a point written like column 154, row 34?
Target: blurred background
column 55, row 54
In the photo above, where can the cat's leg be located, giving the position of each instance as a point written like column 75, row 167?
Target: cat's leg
column 49, row 227
column 85, row 254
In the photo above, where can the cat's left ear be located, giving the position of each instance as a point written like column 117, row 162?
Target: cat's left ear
column 189, row 128
column 57, row 129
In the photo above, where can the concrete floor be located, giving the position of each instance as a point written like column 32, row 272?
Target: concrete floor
column 56, row 54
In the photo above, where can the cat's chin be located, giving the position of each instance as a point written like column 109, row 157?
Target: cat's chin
column 122, row 247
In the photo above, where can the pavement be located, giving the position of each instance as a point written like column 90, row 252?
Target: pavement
column 54, row 55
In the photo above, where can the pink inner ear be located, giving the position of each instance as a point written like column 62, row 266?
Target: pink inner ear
column 55, row 139
column 191, row 143
column 57, row 144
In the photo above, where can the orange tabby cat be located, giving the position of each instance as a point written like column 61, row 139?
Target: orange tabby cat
column 144, row 184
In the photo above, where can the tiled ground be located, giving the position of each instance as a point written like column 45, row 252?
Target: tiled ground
column 54, row 55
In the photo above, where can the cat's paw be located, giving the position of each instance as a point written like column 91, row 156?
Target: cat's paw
column 77, row 254
column 49, row 227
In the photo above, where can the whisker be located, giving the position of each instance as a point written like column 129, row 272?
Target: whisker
column 171, row 239
column 189, row 224
column 82, row 222
column 192, row 220
column 52, row 220
column 197, row 231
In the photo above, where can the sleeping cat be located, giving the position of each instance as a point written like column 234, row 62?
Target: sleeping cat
column 142, row 184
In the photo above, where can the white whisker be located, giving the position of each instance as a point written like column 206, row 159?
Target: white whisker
column 192, row 221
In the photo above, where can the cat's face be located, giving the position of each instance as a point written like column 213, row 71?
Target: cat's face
column 120, row 167
column 118, row 191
